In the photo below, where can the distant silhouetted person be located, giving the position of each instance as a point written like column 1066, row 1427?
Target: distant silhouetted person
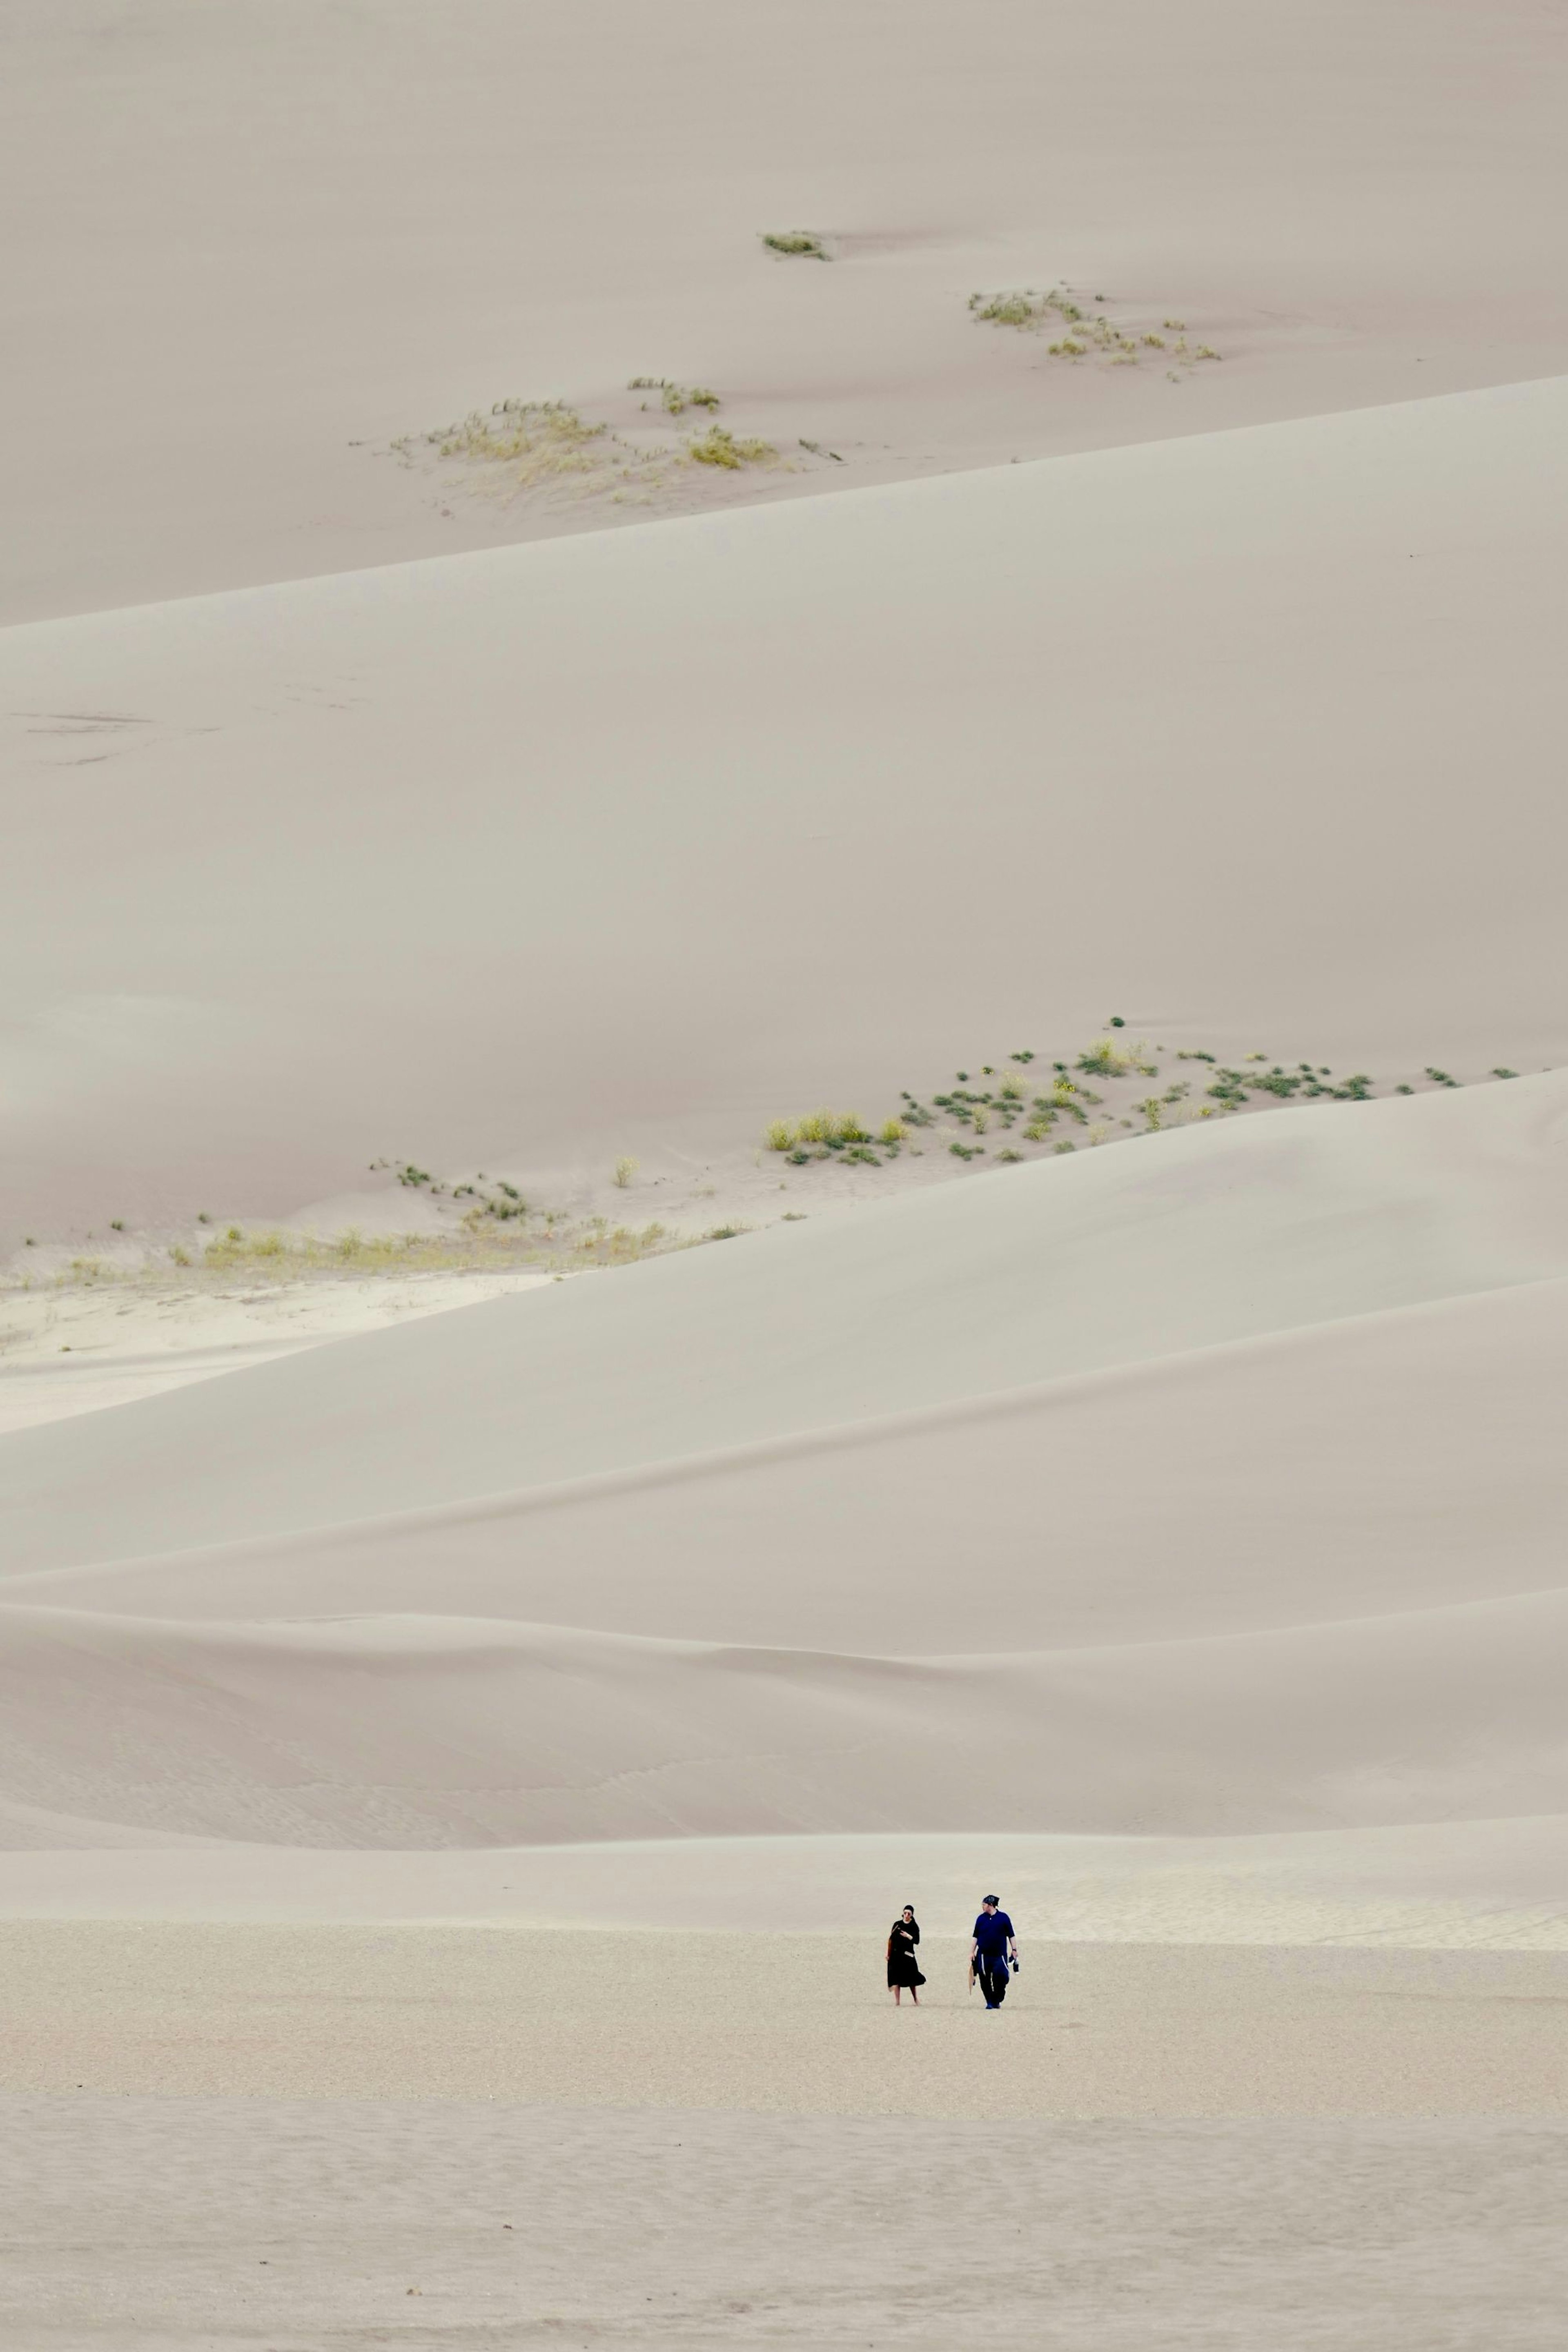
column 903, row 1968
column 992, row 1952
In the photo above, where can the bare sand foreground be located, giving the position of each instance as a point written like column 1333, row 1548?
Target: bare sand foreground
column 464, row 1733
column 302, row 2223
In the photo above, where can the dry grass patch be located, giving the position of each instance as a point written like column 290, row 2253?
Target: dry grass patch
column 540, row 447
column 548, row 448
column 1091, row 333
column 718, row 447
column 675, row 399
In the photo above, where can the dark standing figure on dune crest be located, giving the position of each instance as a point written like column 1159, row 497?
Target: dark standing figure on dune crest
column 993, row 1947
column 903, row 1968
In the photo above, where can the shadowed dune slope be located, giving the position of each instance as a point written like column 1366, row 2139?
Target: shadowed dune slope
column 432, row 1731
column 1181, row 1600
column 1394, row 1461
column 1187, row 1241
column 634, row 840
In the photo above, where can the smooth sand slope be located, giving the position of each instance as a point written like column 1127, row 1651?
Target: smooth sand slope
column 264, row 239
column 631, row 842
column 790, row 1627
column 1193, row 1239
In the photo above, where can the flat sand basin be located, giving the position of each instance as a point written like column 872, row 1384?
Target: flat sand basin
column 302, row 2223
column 777, row 2024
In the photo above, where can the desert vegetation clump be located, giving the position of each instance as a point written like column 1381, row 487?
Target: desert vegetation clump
column 1105, row 1058
column 1087, row 332
column 832, row 1134
column 1029, row 1108
column 538, row 438
column 675, row 398
column 796, row 244
column 718, row 447
column 500, row 1231
column 548, row 448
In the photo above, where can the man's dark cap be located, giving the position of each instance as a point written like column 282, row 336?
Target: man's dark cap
column 990, row 1898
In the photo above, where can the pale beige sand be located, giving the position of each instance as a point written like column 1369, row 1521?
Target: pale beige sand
column 775, row 2022
column 260, row 235
column 417, row 1682
column 631, row 842
column 1474, row 1885
column 216, row 2226
column 70, row 1350
column 1172, row 1535
column 952, row 1296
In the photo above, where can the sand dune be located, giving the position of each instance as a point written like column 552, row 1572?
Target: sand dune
column 653, row 836
column 491, row 1743
column 1195, row 1239
column 493, row 201
column 1486, row 1885
column 398, row 1684
column 429, row 1730
column 1190, row 1497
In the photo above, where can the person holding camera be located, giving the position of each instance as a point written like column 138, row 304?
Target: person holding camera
column 993, row 1953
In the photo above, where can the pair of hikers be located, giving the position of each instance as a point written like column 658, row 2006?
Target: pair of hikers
column 992, row 1953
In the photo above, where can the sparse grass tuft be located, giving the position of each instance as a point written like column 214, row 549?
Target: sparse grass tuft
column 1104, row 1058
column 675, row 398
column 547, row 447
column 718, row 447
column 1008, row 310
column 832, row 1128
column 1091, row 334
column 540, row 436
column 798, row 244
column 625, row 1169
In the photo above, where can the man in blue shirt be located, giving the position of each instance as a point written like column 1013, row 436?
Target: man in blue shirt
column 993, row 1947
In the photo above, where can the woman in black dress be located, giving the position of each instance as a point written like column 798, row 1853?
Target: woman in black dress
column 903, row 1968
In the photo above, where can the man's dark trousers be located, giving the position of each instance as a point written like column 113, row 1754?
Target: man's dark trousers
column 993, row 1975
